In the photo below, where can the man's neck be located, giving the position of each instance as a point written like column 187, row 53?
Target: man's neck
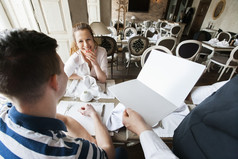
column 44, row 107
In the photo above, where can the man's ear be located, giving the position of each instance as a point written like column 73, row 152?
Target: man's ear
column 54, row 82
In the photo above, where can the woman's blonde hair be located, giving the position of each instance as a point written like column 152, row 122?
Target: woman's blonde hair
column 77, row 27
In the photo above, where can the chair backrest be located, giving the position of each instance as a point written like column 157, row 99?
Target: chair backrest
column 134, row 25
column 108, row 43
column 129, row 31
column 128, row 23
column 149, row 33
column 137, row 45
column 202, row 36
column 163, row 24
column 168, row 42
column 233, row 59
column 147, row 52
column 224, row 35
column 188, row 49
column 157, row 25
column 147, row 23
column 175, row 30
column 112, row 30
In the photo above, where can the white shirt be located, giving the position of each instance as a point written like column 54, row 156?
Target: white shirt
column 77, row 65
column 154, row 147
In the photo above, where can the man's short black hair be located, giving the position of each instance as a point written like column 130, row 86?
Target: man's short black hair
column 27, row 61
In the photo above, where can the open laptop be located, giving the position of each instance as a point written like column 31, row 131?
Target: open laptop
column 161, row 86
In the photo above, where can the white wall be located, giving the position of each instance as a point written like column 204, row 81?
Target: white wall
column 106, row 8
column 79, row 12
column 228, row 20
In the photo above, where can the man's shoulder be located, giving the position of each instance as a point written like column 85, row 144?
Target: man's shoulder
column 211, row 126
column 63, row 147
column 4, row 107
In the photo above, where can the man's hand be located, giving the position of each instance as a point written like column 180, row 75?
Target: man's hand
column 87, row 110
column 134, row 122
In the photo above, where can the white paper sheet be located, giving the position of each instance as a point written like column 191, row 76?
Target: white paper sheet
column 160, row 88
column 170, row 76
column 71, row 108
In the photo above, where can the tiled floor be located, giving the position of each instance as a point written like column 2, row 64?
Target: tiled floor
column 120, row 75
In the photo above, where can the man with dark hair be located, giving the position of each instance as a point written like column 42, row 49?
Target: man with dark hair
column 32, row 77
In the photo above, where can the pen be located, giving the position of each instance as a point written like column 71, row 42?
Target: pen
column 103, row 110
column 105, row 91
column 68, row 108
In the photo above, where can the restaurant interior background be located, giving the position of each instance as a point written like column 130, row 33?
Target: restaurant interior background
column 56, row 17
column 158, row 10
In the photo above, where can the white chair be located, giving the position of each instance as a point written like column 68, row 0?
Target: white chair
column 112, row 30
column 168, row 42
column 163, row 24
column 175, row 30
column 225, row 62
column 136, row 46
column 188, row 49
column 110, row 45
column 146, row 53
column 147, row 24
column 224, row 36
column 157, row 26
column 149, row 34
column 129, row 31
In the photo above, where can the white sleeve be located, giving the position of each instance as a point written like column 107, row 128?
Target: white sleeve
column 104, row 63
column 154, row 147
column 103, row 59
column 71, row 64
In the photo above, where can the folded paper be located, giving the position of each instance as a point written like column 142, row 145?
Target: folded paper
column 161, row 86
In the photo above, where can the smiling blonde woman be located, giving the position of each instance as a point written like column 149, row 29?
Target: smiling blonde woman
column 88, row 58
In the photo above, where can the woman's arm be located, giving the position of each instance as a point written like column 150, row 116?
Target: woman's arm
column 75, row 77
column 101, row 76
column 71, row 64
column 75, row 129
